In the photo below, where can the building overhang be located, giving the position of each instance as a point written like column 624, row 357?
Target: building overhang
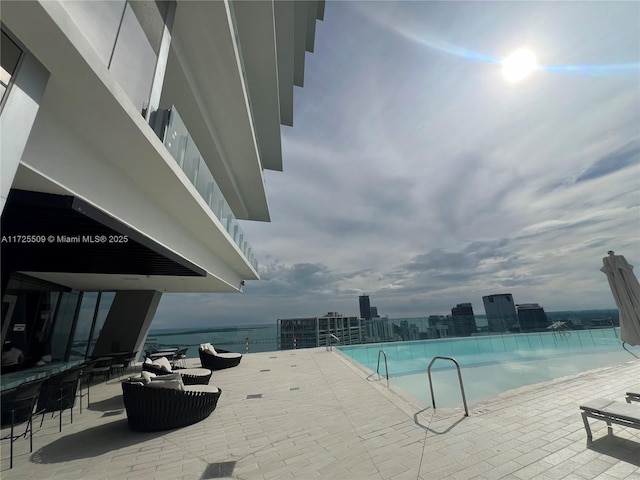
column 95, row 110
column 240, row 90
column 70, row 242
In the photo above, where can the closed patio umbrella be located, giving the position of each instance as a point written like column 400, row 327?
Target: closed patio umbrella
column 626, row 293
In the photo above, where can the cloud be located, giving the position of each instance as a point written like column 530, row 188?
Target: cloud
column 418, row 176
column 619, row 159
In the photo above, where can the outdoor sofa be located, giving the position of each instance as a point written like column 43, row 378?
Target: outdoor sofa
column 162, row 402
column 216, row 358
column 190, row 376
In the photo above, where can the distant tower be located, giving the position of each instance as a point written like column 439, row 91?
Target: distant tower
column 464, row 323
column 531, row 318
column 365, row 307
column 501, row 312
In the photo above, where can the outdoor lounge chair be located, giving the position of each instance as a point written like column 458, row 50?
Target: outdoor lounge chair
column 632, row 397
column 190, row 376
column 150, row 409
column 217, row 359
column 611, row 412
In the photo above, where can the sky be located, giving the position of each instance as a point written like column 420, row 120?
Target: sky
column 417, row 174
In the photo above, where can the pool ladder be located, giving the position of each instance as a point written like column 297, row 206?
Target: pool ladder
column 386, row 367
column 433, row 400
column 330, row 337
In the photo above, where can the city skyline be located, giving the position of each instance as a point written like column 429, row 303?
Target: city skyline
column 416, row 174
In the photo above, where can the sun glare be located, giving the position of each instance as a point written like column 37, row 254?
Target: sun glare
column 519, row 65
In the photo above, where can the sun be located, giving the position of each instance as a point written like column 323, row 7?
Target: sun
column 519, row 65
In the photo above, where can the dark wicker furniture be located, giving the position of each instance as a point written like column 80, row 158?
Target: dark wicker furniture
column 190, row 376
column 151, row 409
column 218, row 362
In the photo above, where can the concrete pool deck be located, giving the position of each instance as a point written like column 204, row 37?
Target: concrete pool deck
column 314, row 414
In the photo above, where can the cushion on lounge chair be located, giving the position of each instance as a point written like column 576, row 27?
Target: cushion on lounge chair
column 229, row 355
column 166, row 378
column 163, row 362
column 201, row 388
column 207, row 347
column 170, row 384
column 146, row 376
column 610, row 411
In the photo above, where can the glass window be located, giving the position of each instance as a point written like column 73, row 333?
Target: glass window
column 135, row 54
column 105, row 299
column 63, row 325
column 84, row 323
column 9, row 57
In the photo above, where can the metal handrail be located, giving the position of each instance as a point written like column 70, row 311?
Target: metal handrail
column 329, row 337
column 386, row 366
column 464, row 398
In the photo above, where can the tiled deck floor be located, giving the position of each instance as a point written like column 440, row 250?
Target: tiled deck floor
column 312, row 414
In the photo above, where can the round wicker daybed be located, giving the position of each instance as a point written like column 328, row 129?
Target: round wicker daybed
column 219, row 360
column 150, row 409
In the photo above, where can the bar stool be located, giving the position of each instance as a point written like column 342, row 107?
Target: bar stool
column 17, row 407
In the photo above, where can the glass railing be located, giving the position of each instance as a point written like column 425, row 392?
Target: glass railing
column 567, row 329
column 186, row 154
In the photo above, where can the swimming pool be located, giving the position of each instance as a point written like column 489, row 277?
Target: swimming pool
column 491, row 364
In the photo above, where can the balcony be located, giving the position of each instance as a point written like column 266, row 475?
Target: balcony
column 186, row 154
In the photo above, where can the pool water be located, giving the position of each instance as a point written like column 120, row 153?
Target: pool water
column 491, row 364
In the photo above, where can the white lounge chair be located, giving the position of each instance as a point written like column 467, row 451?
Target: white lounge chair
column 610, row 411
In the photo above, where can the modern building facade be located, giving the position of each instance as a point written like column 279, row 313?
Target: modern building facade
column 378, row 329
column 365, row 307
column 438, row 327
column 135, row 135
column 531, row 318
column 312, row 332
column 501, row 312
column 463, row 322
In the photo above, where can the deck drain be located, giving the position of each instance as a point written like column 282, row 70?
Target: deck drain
column 219, row 470
column 266, row 370
column 112, row 413
column 255, row 395
column 273, row 357
column 294, row 388
column 293, row 365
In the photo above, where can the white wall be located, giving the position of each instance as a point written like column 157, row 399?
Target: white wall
column 56, row 152
column 17, row 118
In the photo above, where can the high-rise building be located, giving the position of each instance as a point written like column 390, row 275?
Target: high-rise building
column 501, row 312
column 463, row 321
column 378, row 329
column 531, row 318
column 311, row 332
column 135, row 136
column 365, row 307
column 438, row 326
